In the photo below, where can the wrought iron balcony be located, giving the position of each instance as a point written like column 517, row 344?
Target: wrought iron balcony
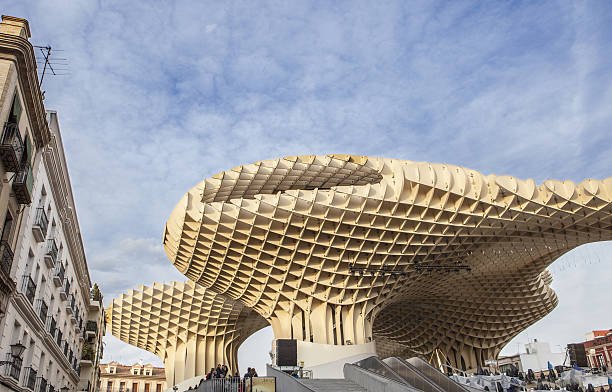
column 66, row 291
column 42, row 309
column 58, row 275
column 70, row 305
column 51, row 254
column 29, row 379
column 41, row 224
column 58, row 338
column 41, row 384
column 6, row 257
column 11, row 147
column 51, row 325
column 51, row 388
column 91, row 326
column 13, row 368
column 22, row 184
column 28, row 288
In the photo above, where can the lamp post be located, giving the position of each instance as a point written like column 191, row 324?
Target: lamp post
column 16, row 351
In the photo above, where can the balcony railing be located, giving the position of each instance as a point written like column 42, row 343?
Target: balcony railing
column 51, row 388
column 41, row 224
column 41, row 384
column 22, row 185
column 29, row 378
column 6, row 257
column 51, row 325
column 51, row 254
column 28, row 288
column 42, row 309
column 91, row 326
column 11, row 147
column 13, row 367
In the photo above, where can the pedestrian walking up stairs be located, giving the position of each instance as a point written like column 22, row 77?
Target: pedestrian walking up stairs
column 331, row 385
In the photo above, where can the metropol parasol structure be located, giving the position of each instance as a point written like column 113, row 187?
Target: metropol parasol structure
column 354, row 255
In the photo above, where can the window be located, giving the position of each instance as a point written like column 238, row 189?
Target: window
column 134, row 387
column 109, row 386
column 15, row 113
column 147, row 387
column 158, row 388
column 7, row 228
column 122, row 386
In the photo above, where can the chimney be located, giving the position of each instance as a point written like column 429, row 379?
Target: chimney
column 15, row 26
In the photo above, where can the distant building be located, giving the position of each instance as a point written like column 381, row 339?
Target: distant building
column 115, row 377
column 599, row 348
column 536, row 358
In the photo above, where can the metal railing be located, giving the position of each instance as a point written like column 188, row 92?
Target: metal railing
column 41, row 384
column 11, row 147
column 91, row 326
column 51, row 325
column 51, row 388
column 28, row 288
column 22, row 185
column 42, row 309
column 13, row 368
column 6, row 257
column 29, row 378
column 233, row 384
column 58, row 338
column 41, row 220
column 60, row 271
column 52, row 249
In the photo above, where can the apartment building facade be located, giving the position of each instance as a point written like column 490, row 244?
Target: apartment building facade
column 115, row 377
column 46, row 300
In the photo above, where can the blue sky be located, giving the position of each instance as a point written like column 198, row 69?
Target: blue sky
column 162, row 94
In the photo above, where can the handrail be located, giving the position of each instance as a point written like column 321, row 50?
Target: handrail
column 42, row 220
column 6, row 257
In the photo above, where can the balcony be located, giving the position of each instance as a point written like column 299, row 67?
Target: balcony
column 6, row 257
column 13, row 369
column 58, row 276
column 58, row 338
column 70, row 305
column 22, row 185
column 41, row 384
column 42, row 309
column 11, row 147
column 29, row 379
column 51, row 254
column 41, row 224
column 66, row 291
column 51, row 326
column 91, row 328
column 51, row 388
column 28, row 288
column 65, row 344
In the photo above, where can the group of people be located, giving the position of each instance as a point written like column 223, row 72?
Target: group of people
column 222, row 371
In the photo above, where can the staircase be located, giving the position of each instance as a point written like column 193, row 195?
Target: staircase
column 331, row 385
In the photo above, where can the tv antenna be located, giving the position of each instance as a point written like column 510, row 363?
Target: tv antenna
column 56, row 66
